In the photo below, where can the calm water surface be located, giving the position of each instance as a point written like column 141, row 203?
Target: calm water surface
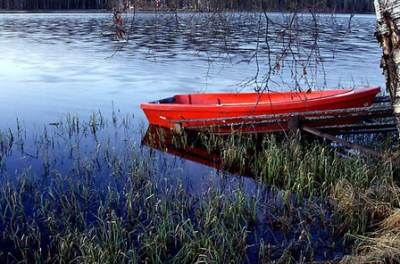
column 55, row 65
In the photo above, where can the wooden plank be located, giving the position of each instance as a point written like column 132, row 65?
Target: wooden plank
column 382, row 99
column 293, row 124
column 319, row 133
column 365, row 131
column 356, row 127
column 362, row 112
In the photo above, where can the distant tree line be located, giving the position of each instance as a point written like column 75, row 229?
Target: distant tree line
column 337, row 6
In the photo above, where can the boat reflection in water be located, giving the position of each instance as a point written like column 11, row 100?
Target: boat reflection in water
column 193, row 146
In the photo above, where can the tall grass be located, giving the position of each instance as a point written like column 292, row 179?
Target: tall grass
column 81, row 191
column 361, row 190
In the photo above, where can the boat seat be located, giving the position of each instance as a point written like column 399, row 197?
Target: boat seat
column 183, row 99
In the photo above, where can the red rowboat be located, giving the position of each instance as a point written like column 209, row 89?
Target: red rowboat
column 223, row 110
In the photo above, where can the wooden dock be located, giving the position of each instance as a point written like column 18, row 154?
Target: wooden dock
column 330, row 125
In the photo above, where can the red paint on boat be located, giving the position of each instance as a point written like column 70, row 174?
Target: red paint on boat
column 214, row 109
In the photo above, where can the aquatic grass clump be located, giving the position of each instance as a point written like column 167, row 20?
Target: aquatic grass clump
column 196, row 234
column 382, row 246
column 97, row 195
column 303, row 168
column 352, row 185
column 361, row 209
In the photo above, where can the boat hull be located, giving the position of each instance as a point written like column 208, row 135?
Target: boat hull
column 205, row 110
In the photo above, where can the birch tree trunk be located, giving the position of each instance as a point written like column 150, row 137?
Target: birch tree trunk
column 388, row 34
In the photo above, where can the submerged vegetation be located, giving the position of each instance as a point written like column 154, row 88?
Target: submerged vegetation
column 80, row 191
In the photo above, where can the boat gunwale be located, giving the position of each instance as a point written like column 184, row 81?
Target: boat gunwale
column 165, row 102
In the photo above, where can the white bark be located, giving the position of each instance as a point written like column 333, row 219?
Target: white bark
column 388, row 34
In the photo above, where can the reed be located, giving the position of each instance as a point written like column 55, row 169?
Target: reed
column 358, row 186
column 90, row 193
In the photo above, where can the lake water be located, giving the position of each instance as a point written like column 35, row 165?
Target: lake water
column 57, row 65
column 53, row 64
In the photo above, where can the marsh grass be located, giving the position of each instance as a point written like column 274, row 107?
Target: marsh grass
column 360, row 190
column 81, row 191
column 382, row 246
